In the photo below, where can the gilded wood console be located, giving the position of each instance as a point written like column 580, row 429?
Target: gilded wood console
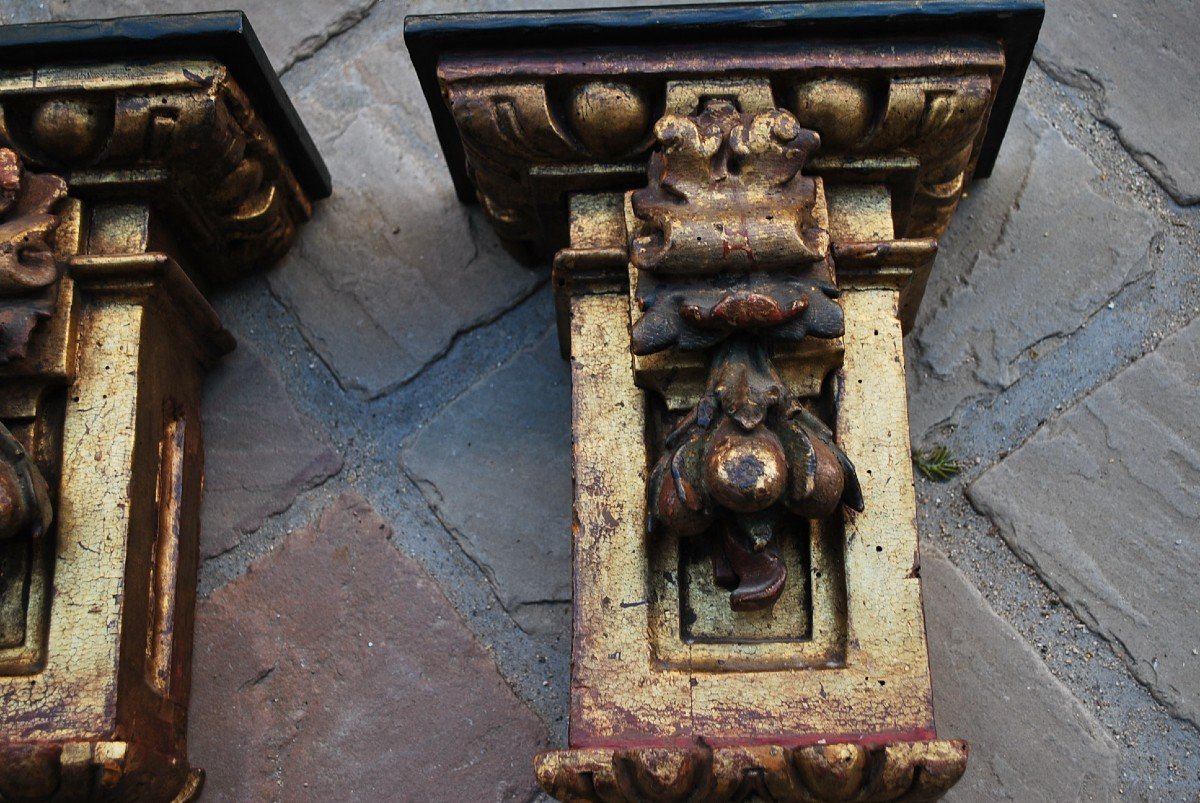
column 142, row 161
column 743, row 205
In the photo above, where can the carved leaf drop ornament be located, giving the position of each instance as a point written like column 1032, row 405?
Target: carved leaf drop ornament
column 733, row 257
column 29, row 269
column 24, row 499
column 743, row 459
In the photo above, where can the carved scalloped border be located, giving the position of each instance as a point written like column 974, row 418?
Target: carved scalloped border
column 901, row 771
column 125, row 771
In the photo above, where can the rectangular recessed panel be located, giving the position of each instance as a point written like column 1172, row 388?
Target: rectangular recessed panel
column 693, row 629
column 704, row 612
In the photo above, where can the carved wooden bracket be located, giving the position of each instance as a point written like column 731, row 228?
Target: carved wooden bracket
column 127, row 189
column 744, row 204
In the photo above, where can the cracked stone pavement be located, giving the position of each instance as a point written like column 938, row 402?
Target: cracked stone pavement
column 386, row 581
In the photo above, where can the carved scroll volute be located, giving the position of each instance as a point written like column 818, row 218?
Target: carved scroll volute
column 735, row 257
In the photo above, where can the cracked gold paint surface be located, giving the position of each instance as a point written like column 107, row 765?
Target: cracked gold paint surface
column 93, row 704
column 76, row 691
column 636, row 681
column 619, row 694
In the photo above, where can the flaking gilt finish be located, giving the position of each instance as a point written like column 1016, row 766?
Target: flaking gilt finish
column 903, row 773
column 126, row 189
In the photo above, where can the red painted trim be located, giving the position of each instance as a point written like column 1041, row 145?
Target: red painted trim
column 870, row 740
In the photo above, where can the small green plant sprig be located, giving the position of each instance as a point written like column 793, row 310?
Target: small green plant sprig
column 937, row 464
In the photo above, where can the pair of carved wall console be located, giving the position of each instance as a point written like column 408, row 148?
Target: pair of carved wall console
column 142, row 162
column 743, row 205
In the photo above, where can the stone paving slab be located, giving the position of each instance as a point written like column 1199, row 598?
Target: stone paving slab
column 402, row 266
column 1037, row 253
column 1139, row 60
column 394, row 206
column 1104, row 504
column 335, row 669
column 496, row 466
column 1031, row 740
column 17, row 12
column 259, row 451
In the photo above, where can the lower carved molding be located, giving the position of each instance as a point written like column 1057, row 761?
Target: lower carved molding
column 900, row 771
column 57, row 772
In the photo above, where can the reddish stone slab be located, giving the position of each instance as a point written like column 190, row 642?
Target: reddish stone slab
column 336, row 669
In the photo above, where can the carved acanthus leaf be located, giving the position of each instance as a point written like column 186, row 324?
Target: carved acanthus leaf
column 699, row 314
column 28, row 266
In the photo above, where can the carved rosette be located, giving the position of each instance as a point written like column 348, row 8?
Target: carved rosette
column 736, row 258
column 902, row 772
column 29, row 270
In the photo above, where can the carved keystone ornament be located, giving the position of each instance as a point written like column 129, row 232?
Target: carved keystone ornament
column 743, row 204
